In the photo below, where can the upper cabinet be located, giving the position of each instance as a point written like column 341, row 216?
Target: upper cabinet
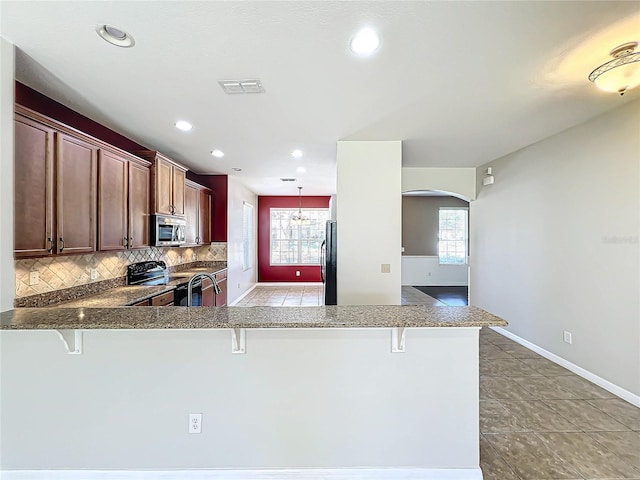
column 73, row 193
column 198, row 201
column 167, row 184
column 34, row 146
column 55, row 191
column 123, row 201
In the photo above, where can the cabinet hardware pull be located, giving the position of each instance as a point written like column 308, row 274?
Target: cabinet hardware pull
column 62, row 242
column 50, row 240
column 130, row 242
column 125, row 244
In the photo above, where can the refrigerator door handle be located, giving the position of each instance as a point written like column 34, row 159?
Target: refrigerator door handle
column 323, row 248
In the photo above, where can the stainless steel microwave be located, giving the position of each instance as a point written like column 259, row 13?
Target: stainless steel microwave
column 167, row 231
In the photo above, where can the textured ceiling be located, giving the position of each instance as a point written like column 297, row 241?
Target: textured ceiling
column 461, row 83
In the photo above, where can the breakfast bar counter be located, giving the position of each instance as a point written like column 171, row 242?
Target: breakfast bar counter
column 332, row 392
column 370, row 316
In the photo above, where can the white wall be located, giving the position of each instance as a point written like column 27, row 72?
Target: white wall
column 324, row 398
column 369, row 222
column 458, row 181
column 239, row 281
column 554, row 245
column 7, row 274
column 426, row 270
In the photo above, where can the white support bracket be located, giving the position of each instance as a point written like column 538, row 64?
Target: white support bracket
column 72, row 340
column 238, row 340
column 398, row 338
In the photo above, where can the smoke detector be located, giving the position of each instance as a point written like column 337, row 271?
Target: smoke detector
column 235, row 87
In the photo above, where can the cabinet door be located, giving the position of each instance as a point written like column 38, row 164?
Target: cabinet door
column 162, row 183
column 33, row 207
column 138, row 206
column 221, row 298
column 208, row 295
column 191, row 214
column 76, row 187
column 204, row 218
column 179, row 177
column 112, row 201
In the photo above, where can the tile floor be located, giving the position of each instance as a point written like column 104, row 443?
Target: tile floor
column 283, row 296
column 538, row 421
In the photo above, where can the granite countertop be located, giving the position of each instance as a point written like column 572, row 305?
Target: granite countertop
column 128, row 295
column 246, row 317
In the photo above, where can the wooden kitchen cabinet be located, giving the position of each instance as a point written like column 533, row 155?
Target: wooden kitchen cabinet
column 123, row 202
column 55, row 191
column 197, row 213
column 191, row 198
column 221, row 298
column 33, row 174
column 167, row 183
column 208, row 294
column 163, row 300
column 76, row 186
column 57, row 196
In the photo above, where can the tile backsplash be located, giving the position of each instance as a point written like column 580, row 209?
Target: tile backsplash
column 56, row 273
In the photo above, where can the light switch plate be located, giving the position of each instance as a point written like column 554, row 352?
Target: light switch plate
column 94, row 274
column 385, row 268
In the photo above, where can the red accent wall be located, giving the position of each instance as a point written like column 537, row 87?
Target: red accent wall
column 219, row 185
column 266, row 272
column 28, row 97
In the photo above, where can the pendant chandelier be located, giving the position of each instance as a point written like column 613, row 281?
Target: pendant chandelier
column 620, row 74
column 298, row 218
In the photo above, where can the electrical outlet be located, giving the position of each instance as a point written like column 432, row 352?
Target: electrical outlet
column 179, row 259
column 567, row 337
column 195, row 423
column 94, row 274
column 34, row 277
column 297, row 273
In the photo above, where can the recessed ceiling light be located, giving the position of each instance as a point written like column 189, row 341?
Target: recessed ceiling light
column 301, row 170
column 365, row 42
column 217, row 153
column 297, row 154
column 115, row 35
column 183, row 125
column 236, row 169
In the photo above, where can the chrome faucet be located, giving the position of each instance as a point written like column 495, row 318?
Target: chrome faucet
column 216, row 287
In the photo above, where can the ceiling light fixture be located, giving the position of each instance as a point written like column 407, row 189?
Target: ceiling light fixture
column 183, row 125
column 299, row 218
column 297, row 153
column 620, row 74
column 115, row 36
column 217, row 153
column 365, row 42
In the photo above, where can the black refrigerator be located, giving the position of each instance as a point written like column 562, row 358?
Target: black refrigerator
column 328, row 264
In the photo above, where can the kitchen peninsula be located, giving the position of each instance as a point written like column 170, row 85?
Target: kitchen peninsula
column 311, row 392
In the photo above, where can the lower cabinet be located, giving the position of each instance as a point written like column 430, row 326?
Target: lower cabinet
column 221, row 298
column 162, row 300
column 209, row 298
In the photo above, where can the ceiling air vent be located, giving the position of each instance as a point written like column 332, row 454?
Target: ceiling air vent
column 233, row 87
column 288, row 179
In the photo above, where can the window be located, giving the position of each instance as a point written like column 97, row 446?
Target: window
column 247, row 236
column 297, row 244
column 452, row 235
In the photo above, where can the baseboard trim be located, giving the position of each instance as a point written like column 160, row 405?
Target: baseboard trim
column 235, row 302
column 289, row 284
column 439, row 284
column 276, row 474
column 592, row 377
